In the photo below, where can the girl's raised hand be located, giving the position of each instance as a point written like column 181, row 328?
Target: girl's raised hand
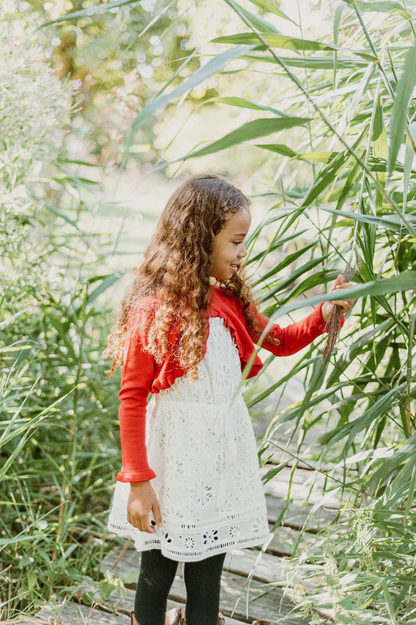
column 142, row 501
column 346, row 304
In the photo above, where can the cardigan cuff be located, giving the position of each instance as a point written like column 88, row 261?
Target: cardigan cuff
column 135, row 476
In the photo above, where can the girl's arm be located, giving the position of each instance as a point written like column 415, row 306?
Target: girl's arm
column 136, row 380
column 295, row 336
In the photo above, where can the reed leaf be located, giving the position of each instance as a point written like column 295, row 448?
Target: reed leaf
column 211, row 68
column 285, row 43
column 100, row 9
column 250, row 130
column 268, row 5
column 401, row 102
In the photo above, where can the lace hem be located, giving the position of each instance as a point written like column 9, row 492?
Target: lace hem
column 176, row 541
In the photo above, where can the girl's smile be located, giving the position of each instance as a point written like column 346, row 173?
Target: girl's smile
column 228, row 249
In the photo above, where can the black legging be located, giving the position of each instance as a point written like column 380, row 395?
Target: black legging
column 202, row 581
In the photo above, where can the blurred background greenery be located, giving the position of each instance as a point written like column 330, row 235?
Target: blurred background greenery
column 106, row 108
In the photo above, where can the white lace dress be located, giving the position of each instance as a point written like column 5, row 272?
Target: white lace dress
column 201, row 445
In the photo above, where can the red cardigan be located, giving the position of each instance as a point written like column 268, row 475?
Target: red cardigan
column 141, row 375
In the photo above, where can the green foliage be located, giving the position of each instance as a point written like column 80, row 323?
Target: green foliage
column 366, row 568
column 400, row 107
column 345, row 188
column 121, row 54
column 338, row 122
column 56, row 403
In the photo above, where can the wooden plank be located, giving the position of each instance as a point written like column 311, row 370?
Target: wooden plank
column 265, row 602
column 263, row 413
column 123, row 619
column 72, row 613
column 306, row 485
column 298, row 515
column 268, row 569
column 75, row 613
column 307, row 457
column 309, row 449
column 285, row 539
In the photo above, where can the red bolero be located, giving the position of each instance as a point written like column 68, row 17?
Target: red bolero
column 140, row 375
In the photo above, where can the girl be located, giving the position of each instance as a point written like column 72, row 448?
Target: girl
column 190, row 489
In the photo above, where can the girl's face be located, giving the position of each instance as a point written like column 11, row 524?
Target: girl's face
column 228, row 250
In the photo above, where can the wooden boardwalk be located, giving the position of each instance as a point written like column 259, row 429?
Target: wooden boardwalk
column 248, row 583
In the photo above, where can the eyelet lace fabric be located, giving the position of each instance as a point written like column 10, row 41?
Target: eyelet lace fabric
column 201, row 445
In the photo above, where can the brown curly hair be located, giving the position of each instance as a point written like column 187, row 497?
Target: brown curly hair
column 176, row 268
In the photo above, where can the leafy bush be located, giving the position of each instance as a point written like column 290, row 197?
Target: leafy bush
column 56, row 403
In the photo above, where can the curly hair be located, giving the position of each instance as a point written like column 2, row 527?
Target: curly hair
column 176, row 269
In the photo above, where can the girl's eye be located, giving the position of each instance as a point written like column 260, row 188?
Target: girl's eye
column 237, row 242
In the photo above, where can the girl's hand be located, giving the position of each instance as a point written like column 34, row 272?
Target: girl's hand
column 346, row 304
column 143, row 500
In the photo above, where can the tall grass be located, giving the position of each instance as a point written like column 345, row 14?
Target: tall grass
column 339, row 129
column 59, row 441
column 57, row 408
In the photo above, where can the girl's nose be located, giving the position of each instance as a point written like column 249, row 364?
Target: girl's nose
column 243, row 253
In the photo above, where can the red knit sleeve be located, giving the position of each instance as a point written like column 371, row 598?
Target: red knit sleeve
column 136, row 380
column 295, row 336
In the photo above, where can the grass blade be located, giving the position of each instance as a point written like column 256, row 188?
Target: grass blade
column 270, row 6
column 212, row 67
column 405, row 88
column 101, row 8
column 251, row 130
